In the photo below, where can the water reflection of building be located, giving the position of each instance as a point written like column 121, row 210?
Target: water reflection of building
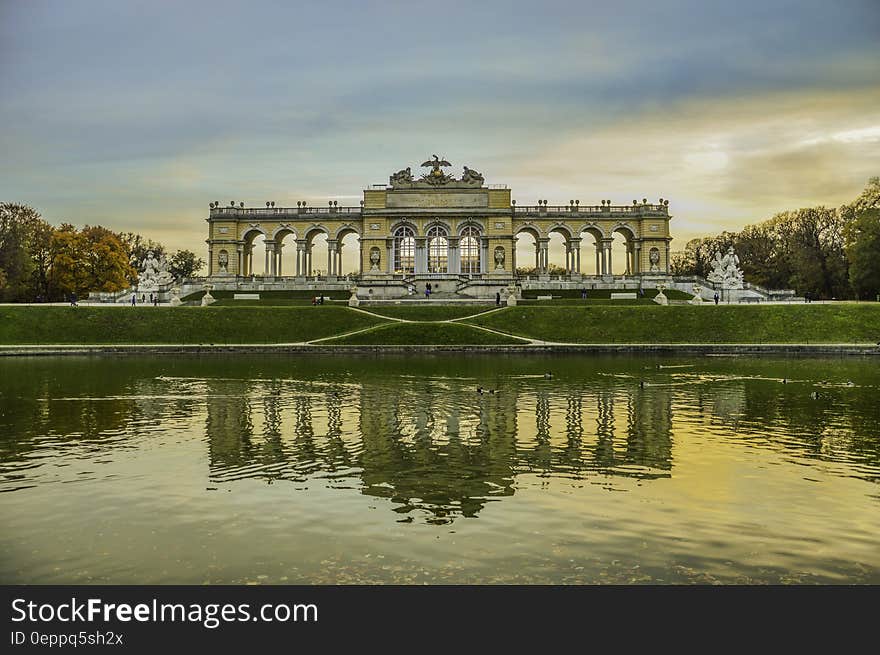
column 430, row 444
column 434, row 445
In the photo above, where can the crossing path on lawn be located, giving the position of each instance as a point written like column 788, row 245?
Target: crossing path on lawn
column 396, row 319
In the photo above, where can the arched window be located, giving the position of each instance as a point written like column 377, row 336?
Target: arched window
column 404, row 250
column 438, row 250
column 469, row 250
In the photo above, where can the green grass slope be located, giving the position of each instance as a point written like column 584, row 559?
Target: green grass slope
column 844, row 323
column 189, row 325
column 423, row 334
column 427, row 312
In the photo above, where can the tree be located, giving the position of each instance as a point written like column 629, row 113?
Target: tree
column 868, row 199
column 41, row 257
column 91, row 260
column 811, row 240
column 185, row 263
column 759, row 251
column 863, row 250
column 24, row 240
column 698, row 254
column 67, row 272
column 107, row 260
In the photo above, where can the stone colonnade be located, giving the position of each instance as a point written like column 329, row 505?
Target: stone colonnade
column 305, row 265
column 572, row 247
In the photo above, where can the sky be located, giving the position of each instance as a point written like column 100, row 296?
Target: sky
column 137, row 114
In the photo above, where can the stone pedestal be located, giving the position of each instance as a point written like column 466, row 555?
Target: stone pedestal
column 175, row 297
column 207, row 299
column 511, row 296
column 354, row 301
column 660, row 298
column 697, row 299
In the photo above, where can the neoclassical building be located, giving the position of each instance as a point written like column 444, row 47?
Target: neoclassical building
column 454, row 231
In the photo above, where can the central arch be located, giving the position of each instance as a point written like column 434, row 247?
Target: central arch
column 438, row 249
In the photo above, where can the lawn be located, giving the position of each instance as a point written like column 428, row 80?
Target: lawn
column 427, row 312
column 844, row 323
column 813, row 323
column 423, row 334
column 190, row 325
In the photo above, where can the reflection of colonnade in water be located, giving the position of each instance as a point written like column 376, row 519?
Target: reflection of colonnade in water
column 433, row 444
column 288, row 429
column 602, row 429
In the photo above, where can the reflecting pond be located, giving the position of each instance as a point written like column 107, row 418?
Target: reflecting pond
column 397, row 469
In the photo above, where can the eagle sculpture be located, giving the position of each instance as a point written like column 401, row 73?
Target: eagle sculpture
column 436, row 164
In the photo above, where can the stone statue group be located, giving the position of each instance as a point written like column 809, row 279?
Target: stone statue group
column 726, row 270
column 154, row 273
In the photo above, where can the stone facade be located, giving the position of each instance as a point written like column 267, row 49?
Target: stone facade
column 458, row 232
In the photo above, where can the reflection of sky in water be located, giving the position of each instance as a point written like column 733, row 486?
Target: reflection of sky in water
column 212, row 470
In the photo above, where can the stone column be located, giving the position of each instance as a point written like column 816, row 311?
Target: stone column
column 453, row 263
column 598, row 258
column 331, row 257
column 389, row 256
column 239, row 270
column 278, row 252
column 421, row 261
column 606, row 256
column 545, row 255
column 270, row 259
column 299, row 257
column 637, row 258
column 666, row 261
column 210, row 262
column 577, row 256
